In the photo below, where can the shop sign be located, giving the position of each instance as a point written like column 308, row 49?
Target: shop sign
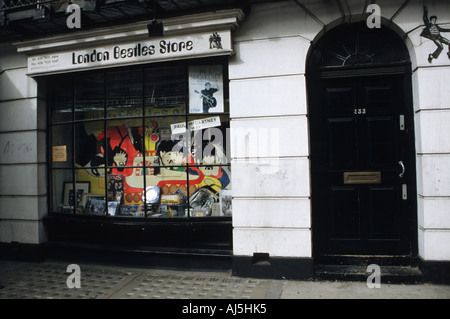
column 151, row 50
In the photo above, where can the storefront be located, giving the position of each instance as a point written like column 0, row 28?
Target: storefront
column 279, row 136
column 133, row 147
column 138, row 138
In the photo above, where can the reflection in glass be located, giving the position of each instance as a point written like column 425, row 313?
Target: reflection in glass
column 165, row 91
column 89, row 96
column 124, row 93
column 61, row 100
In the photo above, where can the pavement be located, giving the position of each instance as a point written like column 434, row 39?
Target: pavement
column 52, row 280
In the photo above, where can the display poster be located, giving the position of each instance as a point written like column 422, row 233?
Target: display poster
column 59, row 153
column 206, row 89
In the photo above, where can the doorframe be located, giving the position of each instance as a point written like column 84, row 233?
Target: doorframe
column 312, row 76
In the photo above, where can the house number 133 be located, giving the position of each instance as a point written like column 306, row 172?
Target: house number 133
column 359, row 111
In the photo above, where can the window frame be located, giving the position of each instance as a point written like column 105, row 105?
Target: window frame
column 73, row 122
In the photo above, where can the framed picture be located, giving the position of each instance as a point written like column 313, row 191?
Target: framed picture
column 113, row 207
column 124, row 210
column 115, row 184
column 93, row 204
column 206, row 89
column 225, row 202
column 69, row 194
column 131, row 210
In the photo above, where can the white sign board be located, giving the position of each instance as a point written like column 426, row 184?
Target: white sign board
column 195, row 125
column 152, row 50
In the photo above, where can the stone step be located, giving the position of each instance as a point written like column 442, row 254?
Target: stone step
column 389, row 274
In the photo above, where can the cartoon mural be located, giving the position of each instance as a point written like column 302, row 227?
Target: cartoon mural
column 135, row 139
column 170, row 165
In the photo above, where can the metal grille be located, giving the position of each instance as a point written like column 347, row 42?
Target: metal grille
column 13, row 4
column 21, row 19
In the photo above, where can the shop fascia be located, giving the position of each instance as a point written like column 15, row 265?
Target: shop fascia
column 201, row 35
column 188, row 46
column 140, row 50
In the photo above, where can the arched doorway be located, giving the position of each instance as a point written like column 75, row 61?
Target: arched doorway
column 363, row 182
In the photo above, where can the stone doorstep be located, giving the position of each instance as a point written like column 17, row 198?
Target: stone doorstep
column 389, row 274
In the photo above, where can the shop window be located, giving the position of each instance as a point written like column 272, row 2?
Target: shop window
column 146, row 142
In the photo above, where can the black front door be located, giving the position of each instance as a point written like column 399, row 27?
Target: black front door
column 361, row 167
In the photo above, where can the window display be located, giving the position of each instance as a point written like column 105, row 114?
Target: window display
column 134, row 148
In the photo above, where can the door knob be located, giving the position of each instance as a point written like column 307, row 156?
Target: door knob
column 403, row 169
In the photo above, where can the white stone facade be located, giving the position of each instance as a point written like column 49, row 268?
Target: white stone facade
column 267, row 87
column 23, row 187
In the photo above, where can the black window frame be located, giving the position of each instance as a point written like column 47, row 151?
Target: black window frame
column 223, row 61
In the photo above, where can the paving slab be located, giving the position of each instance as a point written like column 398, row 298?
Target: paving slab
column 49, row 281
column 360, row 290
column 168, row 284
